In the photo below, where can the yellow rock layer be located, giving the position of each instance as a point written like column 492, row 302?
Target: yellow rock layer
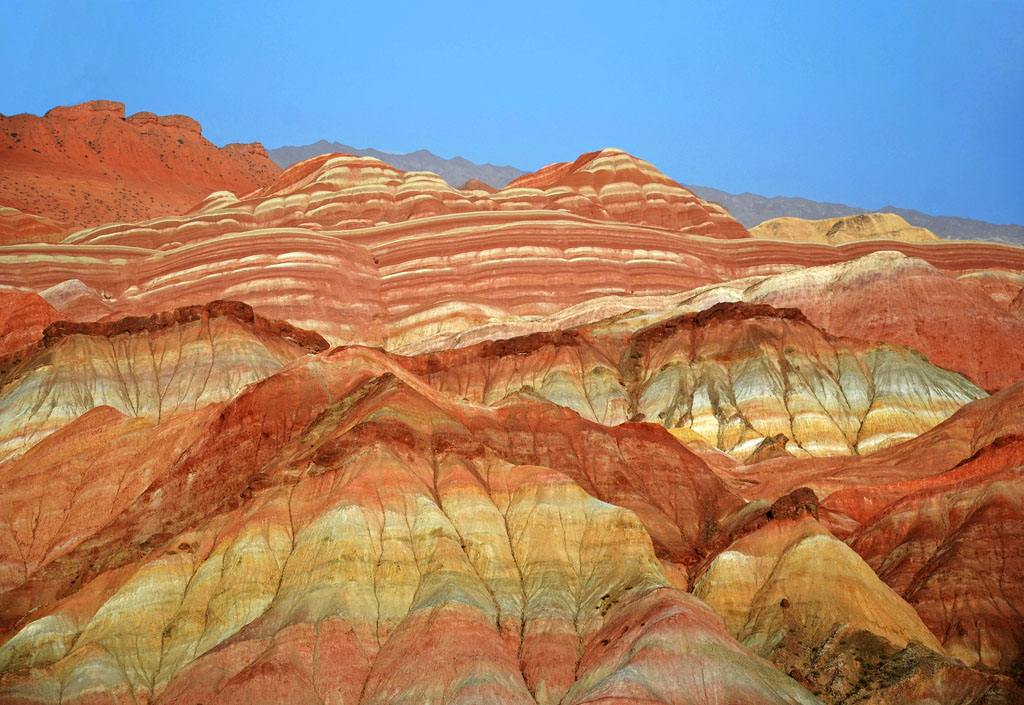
column 836, row 231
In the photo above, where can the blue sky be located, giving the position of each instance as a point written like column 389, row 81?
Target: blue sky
column 917, row 104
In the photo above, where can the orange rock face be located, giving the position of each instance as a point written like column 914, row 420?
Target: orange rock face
column 17, row 227
column 23, row 316
column 346, row 434
column 88, row 164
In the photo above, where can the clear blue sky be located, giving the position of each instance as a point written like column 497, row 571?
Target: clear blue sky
column 918, row 104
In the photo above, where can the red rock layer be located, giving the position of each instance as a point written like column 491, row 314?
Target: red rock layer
column 972, row 428
column 610, row 184
column 364, row 253
column 405, row 284
column 907, row 301
column 950, row 545
column 1017, row 305
column 849, row 637
column 477, row 185
column 89, row 164
column 23, row 316
column 17, row 227
column 345, row 192
column 344, row 506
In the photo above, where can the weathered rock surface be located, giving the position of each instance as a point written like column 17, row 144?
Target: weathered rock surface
column 951, row 545
column 736, row 375
column 145, row 367
column 956, row 320
column 607, row 395
column 842, row 634
column 366, row 254
column 18, row 227
column 938, row 518
column 23, row 316
column 87, row 164
column 307, row 548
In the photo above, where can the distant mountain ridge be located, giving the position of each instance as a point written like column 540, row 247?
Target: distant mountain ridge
column 455, row 171
column 750, row 209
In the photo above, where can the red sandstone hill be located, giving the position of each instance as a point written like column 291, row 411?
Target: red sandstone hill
column 89, row 164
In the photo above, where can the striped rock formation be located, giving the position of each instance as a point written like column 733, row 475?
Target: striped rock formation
column 375, row 519
column 553, row 412
column 736, row 376
column 938, row 518
column 363, row 253
column 344, row 192
column 17, row 227
column 144, row 367
column 23, row 316
column 961, row 320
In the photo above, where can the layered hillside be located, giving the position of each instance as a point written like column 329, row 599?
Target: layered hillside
column 363, row 253
column 88, row 164
column 342, row 192
column 23, row 316
column 960, row 319
column 738, row 376
column 456, row 170
column 937, row 518
column 354, row 435
column 752, row 209
column 17, row 227
column 851, row 228
column 143, row 367
column 374, row 517
column 850, row 637
column 345, row 505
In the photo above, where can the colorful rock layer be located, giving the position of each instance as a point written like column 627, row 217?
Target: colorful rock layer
column 353, row 435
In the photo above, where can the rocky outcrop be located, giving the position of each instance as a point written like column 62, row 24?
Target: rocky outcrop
column 23, row 317
column 88, row 164
column 937, row 518
column 607, row 395
column 841, row 636
column 1017, row 305
column 364, row 253
column 953, row 320
column 347, row 504
column 949, row 545
column 851, row 228
column 345, row 192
